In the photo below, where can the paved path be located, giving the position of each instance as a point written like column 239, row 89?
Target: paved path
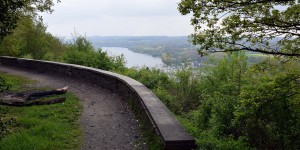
column 106, row 120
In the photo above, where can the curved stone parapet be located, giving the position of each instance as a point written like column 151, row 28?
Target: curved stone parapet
column 145, row 104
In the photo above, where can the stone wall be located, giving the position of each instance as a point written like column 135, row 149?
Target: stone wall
column 145, row 104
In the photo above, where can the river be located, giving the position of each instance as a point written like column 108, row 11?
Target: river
column 134, row 59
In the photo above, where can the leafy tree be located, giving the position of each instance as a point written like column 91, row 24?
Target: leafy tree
column 33, row 34
column 11, row 10
column 268, row 111
column 81, row 52
column 218, row 89
column 8, row 15
column 266, row 26
column 185, row 89
column 221, row 87
column 246, row 106
column 30, row 40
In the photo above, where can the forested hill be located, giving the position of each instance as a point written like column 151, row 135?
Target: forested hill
column 144, row 44
column 171, row 48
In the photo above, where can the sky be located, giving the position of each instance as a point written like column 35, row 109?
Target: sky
column 117, row 18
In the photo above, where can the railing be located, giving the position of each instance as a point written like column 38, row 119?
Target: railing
column 145, row 104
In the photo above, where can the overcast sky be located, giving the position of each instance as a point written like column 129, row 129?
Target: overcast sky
column 118, row 18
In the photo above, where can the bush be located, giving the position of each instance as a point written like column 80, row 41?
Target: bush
column 185, row 89
column 248, row 107
column 30, row 40
column 150, row 77
column 268, row 112
column 81, row 52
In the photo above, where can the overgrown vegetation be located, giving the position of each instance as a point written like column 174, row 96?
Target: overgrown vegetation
column 230, row 104
column 233, row 105
column 30, row 40
column 81, row 52
column 40, row 127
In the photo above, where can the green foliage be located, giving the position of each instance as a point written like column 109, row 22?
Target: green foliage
column 9, row 82
column 45, row 127
column 269, row 105
column 208, row 141
column 167, row 98
column 264, row 26
column 4, row 86
column 226, row 76
column 150, row 77
column 205, row 139
column 41, row 127
column 227, row 105
column 221, row 87
column 185, row 89
column 247, row 107
column 12, row 10
column 35, row 43
column 177, row 95
column 30, row 40
column 82, row 52
column 179, row 92
column 9, row 16
column 219, row 90
column 14, row 82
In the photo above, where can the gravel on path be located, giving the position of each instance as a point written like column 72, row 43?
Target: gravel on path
column 106, row 120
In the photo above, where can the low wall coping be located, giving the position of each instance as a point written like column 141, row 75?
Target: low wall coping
column 172, row 134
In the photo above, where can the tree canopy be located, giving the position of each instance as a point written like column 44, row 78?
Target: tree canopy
column 12, row 10
column 265, row 26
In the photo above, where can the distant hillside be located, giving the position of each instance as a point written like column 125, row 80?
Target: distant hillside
column 173, row 50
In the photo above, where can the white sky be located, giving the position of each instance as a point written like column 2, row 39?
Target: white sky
column 118, row 18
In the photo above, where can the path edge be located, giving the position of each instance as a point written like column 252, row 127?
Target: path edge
column 145, row 103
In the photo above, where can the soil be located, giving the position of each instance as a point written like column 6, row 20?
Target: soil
column 106, row 120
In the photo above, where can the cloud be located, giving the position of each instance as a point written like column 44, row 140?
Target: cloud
column 118, row 17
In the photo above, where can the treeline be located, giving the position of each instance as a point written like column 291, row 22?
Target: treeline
column 177, row 47
column 173, row 51
column 228, row 105
column 30, row 40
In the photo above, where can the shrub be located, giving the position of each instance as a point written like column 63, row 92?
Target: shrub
column 150, row 77
column 268, row 112
column 81, row 52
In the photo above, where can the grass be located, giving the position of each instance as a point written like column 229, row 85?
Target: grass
column 16, row 82
column 41, row 127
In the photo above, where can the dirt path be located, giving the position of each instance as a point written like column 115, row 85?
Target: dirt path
column 106, row 120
